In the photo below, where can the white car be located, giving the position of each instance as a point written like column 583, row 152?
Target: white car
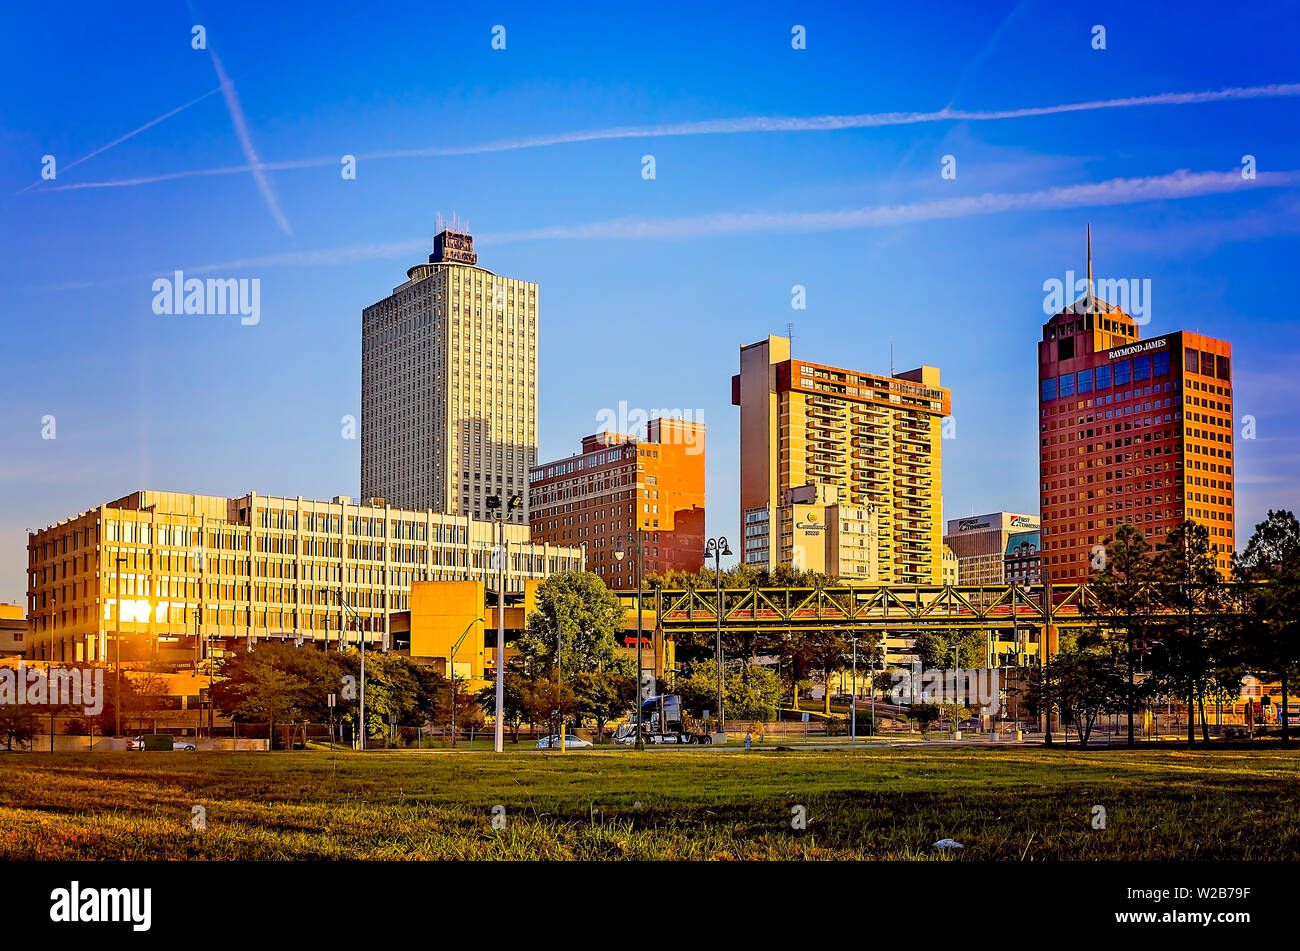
column 571, row 742
column 178, row 743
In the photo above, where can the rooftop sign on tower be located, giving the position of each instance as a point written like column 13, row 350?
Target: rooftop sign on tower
column 455, row 247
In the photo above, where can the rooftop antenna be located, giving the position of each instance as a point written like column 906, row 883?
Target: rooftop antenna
column 789, row 335
column 891, row 356
column 1090, row 266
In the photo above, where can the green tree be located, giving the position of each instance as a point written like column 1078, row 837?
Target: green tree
column 1087, row 681
column 1191, row 644
column 603, row 695
column 924, row 714
column 750, row 693
column 585, row 616
column 517, row 699
column 1270, row 601
column 1123, row 582
column 20, row 722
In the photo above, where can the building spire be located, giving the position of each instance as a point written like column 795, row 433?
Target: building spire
column 1090, row 265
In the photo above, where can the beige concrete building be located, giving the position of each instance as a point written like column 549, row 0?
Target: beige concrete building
column 449, row 386
column 951, row 567
column 13, row 630
column 875, row 439
column 981, row 542
column 198, row 569
column 824, row 535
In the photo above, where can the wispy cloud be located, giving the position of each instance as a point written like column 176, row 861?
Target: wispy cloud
column 1116, row 191
column 1173, row 186
column 734, row 126
column 246, row 143
column 134, row 132
column 1177, row 185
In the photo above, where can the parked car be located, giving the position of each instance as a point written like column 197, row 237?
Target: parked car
column 571, row 742
column 178, row 743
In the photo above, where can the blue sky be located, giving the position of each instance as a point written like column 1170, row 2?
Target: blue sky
column 648, row 287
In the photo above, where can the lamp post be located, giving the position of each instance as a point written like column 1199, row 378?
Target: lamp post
column 495, row 504
column 361, row 735
column 635, row 540
column 117, row 649
column 717, row 547
column 853, row 699
column 455, row 647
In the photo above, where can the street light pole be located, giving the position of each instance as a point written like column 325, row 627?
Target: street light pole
column 495, row 502
column 117, row 649
column 853, row 700
column 454, row 648
column 619, row 553
column 717, row 547
column 356, row 626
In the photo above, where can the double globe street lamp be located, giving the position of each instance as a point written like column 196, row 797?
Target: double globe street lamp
column 634, row 539
column 717, row 547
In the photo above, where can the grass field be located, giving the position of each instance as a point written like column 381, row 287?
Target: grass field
column 1002, row 804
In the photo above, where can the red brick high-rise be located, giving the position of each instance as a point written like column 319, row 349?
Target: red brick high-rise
column 1130, row 430
column 620, row 484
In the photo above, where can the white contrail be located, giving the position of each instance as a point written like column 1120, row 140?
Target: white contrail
column 744, row 125
column 1116, row 191
column 246, row 142
column 134, row 132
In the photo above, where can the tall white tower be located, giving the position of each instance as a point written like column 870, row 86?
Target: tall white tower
column 449, row 386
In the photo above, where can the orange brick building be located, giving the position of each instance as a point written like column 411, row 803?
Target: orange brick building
column 1130, row 430
column 618, row 484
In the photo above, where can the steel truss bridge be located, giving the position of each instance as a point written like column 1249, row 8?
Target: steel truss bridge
column 1012, row 616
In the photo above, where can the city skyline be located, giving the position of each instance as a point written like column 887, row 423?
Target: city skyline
column 636, row 275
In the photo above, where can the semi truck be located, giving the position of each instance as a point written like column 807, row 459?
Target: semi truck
column 661, row 722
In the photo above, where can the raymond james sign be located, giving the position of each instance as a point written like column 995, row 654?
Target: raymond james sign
column 1154, row 344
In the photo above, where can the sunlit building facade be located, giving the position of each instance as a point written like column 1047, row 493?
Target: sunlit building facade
column 1130, row 430
column 875, row 439
column 449, row 386
column 198, row 571
column 620, row 484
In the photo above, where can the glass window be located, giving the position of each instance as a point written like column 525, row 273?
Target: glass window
column 1067, row 384
column 1049, row 389
column 1122, row 371
column 1103, row 377
column 1142, row 368
column 1161, row 363
column 1085, row 381
column 1192, row 360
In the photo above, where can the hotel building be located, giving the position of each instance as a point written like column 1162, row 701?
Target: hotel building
column 251, row 567
column 449, row 386
column 620, row 484
column 1130, row 430
column 980, row 543
column 875, row 439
